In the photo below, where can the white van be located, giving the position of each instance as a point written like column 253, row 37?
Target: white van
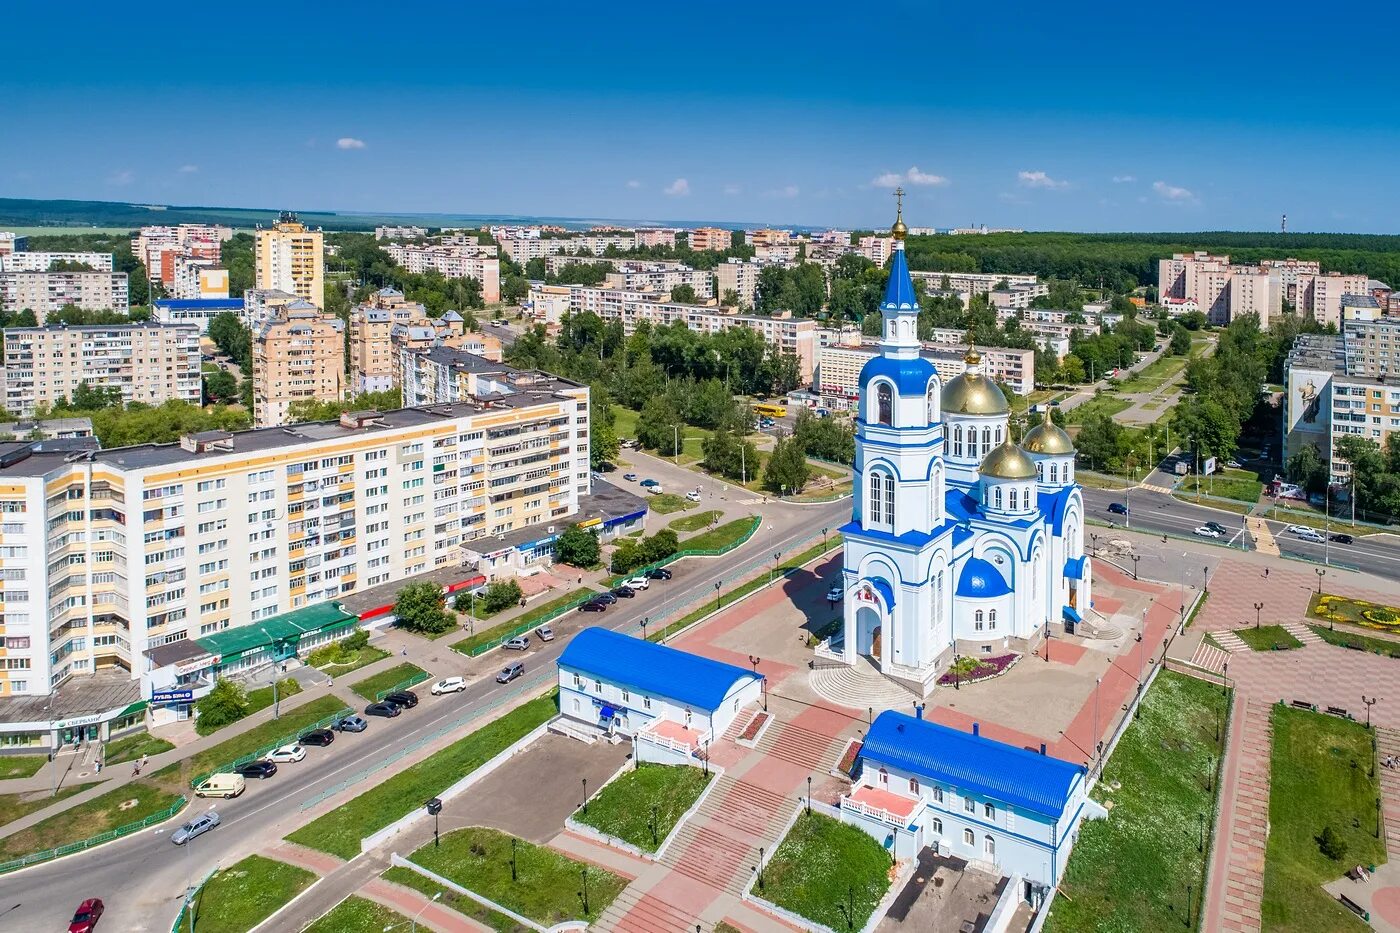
column 221, row 785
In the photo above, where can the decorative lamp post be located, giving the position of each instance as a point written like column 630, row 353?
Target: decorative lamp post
column 1370, row 702
column 1258, row 608
column 1136, row 558
column 717, row 586
column 585, row 795
column 1320, row 574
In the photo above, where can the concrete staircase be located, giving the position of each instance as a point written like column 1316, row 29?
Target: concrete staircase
column 860, row 686
column 1388, row 745
column 1229, row 641
column 1301, row 632
column 640, row 912
column 1208, row 657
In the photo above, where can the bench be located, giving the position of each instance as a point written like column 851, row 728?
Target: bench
column 1338, row 711
column 1303, row 704
column 1354, row 907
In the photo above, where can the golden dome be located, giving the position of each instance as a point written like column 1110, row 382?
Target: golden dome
column 1047, row 438
column 899, row 231
column 1008, row 462
column 973, row 394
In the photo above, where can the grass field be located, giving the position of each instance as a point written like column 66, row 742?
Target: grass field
column 450, row 898
column 547, row 887
column 538, row 614
column 1225, row 505
column 238, row 898
column 1134, row 867
column 89, row 819
column 1240, row 485
column 21, row 766
column 1268, row 638
column 694, row 522
column 667, row 502
column 1155, row 375
column 364, row 656
column 258, row 700
column 358, row 915
column 625, row 425
column 369, row 687
column 721, row 537
column 828, row 872
column 1105, row 403
column 14, row 806
column 340, row 831
column 134, row 746
column 644, row 805
column 1363, row 642
column 1319, row 776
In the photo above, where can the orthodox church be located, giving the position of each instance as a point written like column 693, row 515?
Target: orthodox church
column 961, row 542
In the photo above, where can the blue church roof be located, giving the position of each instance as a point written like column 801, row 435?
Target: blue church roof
column 971, row 763
column 651, row 668
column 980, row 580
column 899, row 290
column 886, row 591
column 910, row 377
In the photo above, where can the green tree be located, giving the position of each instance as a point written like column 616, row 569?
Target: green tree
column 660, row 426
column 421, row 607
column 824, row 438
column 730, row 298
column 1181, row 341
column 1072, row 370
column 225, row 703
column 500, row 595
column 233, row 338
column 90, row 397
column 1213, row 429
column 1331, row 844
column 220, row 387
column 786, row 470
column 684, row 294
column 514, row 288
column 659, row 546
column 729, row 456
column 577, row 547
column 1307, row 468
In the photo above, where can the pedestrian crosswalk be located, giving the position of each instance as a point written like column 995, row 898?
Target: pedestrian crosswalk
column 1166, row 490
column 1229, row 641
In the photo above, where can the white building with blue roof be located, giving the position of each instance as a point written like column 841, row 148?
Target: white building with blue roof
column 1008, row 810
column 960, row 542
column 620, row 684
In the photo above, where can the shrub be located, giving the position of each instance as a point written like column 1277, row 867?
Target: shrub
column 499, row 595
column 420, row 607
column 226, row 703
column 1332, row 844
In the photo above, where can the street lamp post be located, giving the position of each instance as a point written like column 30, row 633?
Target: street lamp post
column 809, row 781
column 1094, row 540
column 1201, row 837
column 646, row 620
column 1258, row 608
column 1320, row 574
column 1370, row 702
column 774, row 572
column 824, row 530
column 1136, row 558
column 755, row 661
column 583, row 873
column 1205, row 581
column 513, row 875
column 585, row 795
column 717, row 585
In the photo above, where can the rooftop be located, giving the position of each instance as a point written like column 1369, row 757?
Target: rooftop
column 651, row 668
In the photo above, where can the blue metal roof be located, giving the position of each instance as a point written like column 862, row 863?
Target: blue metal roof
column 1072, row 614
column 899, row 290
column 960, row 505
column 651, row 668
column 886, row 591
column 199, row 304
column 1052, row 506
column 980, row 580
column 910, row 377
column 971, row 763
column 1074, row 568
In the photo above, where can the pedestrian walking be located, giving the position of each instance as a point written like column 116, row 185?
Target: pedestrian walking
column 1266, row 573
column 144, row 759
column 404, row 652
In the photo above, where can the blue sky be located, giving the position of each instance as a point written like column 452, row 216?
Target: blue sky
column 1073, row 117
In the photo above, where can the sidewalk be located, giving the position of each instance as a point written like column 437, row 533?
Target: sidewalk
column 1236, row 887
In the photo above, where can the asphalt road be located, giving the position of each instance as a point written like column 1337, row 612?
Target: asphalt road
column 143, row 878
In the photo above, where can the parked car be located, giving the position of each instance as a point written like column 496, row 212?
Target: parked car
column 318, row 737
column 86, row 916
column 404, row 699
column 655, row 490
column 222, row 784
column 835, row 593
column 607, row 598
column 593, row 605
column 1234, row 464
column 1297, row 529
column 639, row 582
column 1205, row 531
column 510, row 672
column 626, row 592
column 544, row 633
column 658, row 573
column 387, row 710
column 693, row 495
column 1340, row 538
column 287, row 753
column 648, row 483
column 352, row 724
column 449, row 685
column 630, row 477
column 1215, row 526
column 195, row 827
column 518, row 643
column 1310, row 534
column 260, row 769
column 1118, row 508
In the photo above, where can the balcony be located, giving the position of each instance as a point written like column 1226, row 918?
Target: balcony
column 877, row 804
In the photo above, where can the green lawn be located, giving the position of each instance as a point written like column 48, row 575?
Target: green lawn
column 259, row 699
column 531, row 618
column 694, row 522
column 358, row 915
column 292, row 722
column 827, row 871
column 364, row 656
column 133, row 747
column 1332, row 608
column 1363, row 642
column 625, row 425
column 724, row 536
column 1319, row 776
column 1134, row 866
column 89, row 819
column 1268, row 638
column 1154, row 376
column 238, row 898
column 645, row 804
column 1186, row 494
column 14, row 806
column 370, row 686
column 458, row 902
column 340, row 831
column 667, row 502
column 1240, row 485
column 1105, row 403
column 548, row 884
column 21, row 766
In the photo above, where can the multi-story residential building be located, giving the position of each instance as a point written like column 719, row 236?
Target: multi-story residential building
column 42, row 261
column 149, row 362
column 711, row 239
column 555, row 264
column 51, row 429
column 371, row 352
column 289, row 257
column 660, row 277
column 1224, row 291
column 548, row 303
column 832, row 237
column 978, row 283
column 655, row 236
column 197, row 277
column 837, row 378
column 777, row 252
column 523, row 249
column 741, row 277
column 400, row 233
column 157, row 246
column 768, row 237
column 11, row 243
column 297, row 355
column 47, row 292
column 1321, row 296
column 196, row 311
column 1343, row 384
column 262, row 304
column 454, row 262
column 876, row 248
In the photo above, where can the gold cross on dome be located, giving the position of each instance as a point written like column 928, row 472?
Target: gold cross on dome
column 899, row 202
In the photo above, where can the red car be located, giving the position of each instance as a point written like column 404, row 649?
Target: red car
column 85, row 920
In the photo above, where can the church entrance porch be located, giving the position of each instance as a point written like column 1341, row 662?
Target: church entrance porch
column 868, row 633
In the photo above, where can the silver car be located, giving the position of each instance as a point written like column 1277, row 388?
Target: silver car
column 200, row 824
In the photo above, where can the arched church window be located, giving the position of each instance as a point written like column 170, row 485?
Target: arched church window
column 979, row 617
column 986, row 441
column 932, row 404
column 1054, row 473
column 1000, row 437
column 991, row 618
column 889, row 499
column 884, row 399
column 884, row 777
column 957, row 441
column 1014, row 503
column 877, row 496
column 1040, row 471
column 997, row 496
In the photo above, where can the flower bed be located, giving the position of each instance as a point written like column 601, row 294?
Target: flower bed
column 1333, row 608
column 753, row 728
column 848, row 758
column 986, row 668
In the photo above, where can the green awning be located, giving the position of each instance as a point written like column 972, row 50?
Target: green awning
column 286, row 628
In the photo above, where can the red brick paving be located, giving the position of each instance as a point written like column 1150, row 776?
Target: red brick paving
column 303, row 857
column 410, row 903
column 1236, row 586
column 1236, row 884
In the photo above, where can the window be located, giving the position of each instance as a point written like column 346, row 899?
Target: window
column 578, row 681
column 986, row 441
column 646, row 702
column 978, row 617
column 884, row 404
column 1015, row 501
column 884, row 778
column 936, row 825
column 997, row 496
column 989, row 810
column 969, row 805
column 913, row 785
column 1054, row 473
column 989, row 846
column 991, row 618
column 877, row 497
column 957, row 441
column 937, row 794
column 969, row 838
column 932, row 401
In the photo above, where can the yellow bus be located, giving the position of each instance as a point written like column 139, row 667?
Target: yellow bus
column 772, row 411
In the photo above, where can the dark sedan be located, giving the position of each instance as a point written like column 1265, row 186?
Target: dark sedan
column 317, row 737
column 626, row 592
column 404, row 698
column 262, row 768
column 593, row 606
column 658, row 573
column 388, row 710
column 352, row 724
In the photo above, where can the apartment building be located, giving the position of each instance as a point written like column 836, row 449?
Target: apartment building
column 711, row 238
column 876, row 248
column 371, row 352
column 655, row 236
column 454, row 262
column 197, row 277
column 400, row 233
column 741, row 276
column 522, row 249
column 41, row 261
column 117, row 559
column 289, row 257
column 659, row 276
column 11, row 243
column 832, row 237
column 149, row 362
column 1322, row 296
column 47, row 292
column 548, row 303
column 777, row 252
column 156, row 247
column 767, row 237
column 1223, row 290
column 299, row 354
column 262, row 304
column 196, row 311
column 837, row 378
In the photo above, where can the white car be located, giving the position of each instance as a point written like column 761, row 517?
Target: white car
column 1297, row 529
column 1308, row 534
column 638, row 582
column 835, row 593
column 1206, row 532
column 1234, row 464
column 693, row 495
column 287, row 753
column 449, row 685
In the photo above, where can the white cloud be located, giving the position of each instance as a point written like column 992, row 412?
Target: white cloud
column 1172, row 192
column 678, row 188
column 188, row 169
column 349, row 142
column 1039, row 180
column 732, row 190
column 912, row 177
column 633, row 183
column 786, row 191
column 1123, row 179
column 122, row 177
